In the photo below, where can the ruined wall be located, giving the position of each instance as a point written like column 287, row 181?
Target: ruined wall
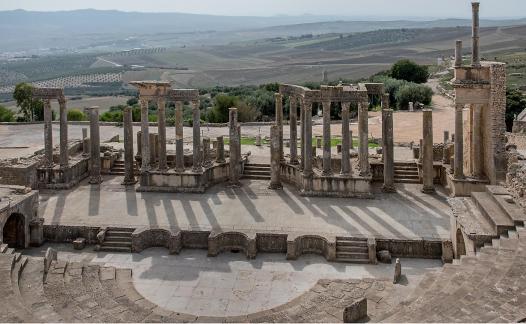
column 519, row 127
column 518, row 139
column 20, row 172
column 516, row 181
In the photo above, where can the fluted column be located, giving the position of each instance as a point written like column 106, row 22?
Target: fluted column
column 476, row 142
column 388, row 150
column 48, row 133
column 161, row 124
column 129, row 170
column 307, row 166
column 234, row 147
column 145, row 136
column 363, row 130
column 196, row 127
column 95, row 177
column 459, row 142
column 427, row 153
column 179, row 144
column 64, row 154
column 279, row 123
column 346, row 159
column 293, row 130
column 327, row 168
column 302, row 133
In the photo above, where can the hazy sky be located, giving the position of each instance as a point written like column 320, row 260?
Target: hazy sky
column 386, row 8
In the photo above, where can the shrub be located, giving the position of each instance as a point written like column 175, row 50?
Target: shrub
column 6, row 115
column 410, row 71
column 515, row 104
column 76, row 115
column 112, row 116
column 412, row 92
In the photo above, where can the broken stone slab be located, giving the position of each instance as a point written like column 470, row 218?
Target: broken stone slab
column 398, row 272
column 356, row 312
column 384, row 256
column 50, row 256
column 79, row 243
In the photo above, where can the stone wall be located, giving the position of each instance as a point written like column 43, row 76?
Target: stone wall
column 19, row 174
column 18, row 200
column 516, row 181
column 518, row 139
column 519, row 126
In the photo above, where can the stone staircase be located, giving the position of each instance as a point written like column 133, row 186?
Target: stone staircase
column 118, row 168
column 117, row 240
column 406, row 172
column 352, row 250
column 255, row 171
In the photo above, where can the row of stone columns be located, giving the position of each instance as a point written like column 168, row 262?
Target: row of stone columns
column 144, row 144
column 48, row 134
column 305, row 162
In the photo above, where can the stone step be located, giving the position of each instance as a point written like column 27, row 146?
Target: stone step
column 255, row 177
column 257, row 168
column 3, row 248
column 92, row 284
column 406, row 172
column 352, row 255
column 516, row 213
column 257, row 165
column 348, row 260
column 250, row 172
column 340, row 243
column 352, row 249
column 115, row 249
column 9, row 251
column 126, row 243
column 120, row 229
column 117, row 238
column 406, row 176
column 403, row 180
column 493, row 213
column 127, row 235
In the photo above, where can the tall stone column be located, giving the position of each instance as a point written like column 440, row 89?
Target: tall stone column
column 279, row 123
column 234, row 147
column 327, row 168
column 302, row 133
column 64, row 152
column 458, row 53
column 207, row 162
column 307, row 166
column 161, row 123
column 475, row 52
column 346, row 147
column 220, row 153
column 388, row 150
column 427, row 156
column 129, row 170
column 351, row 143
column 95, row 177
column 85, row 142
column 293, row 130
column 139, row 143
column 179, row 144
column 48, row 133
column 476, row 142
column 363, row 130
column 275, row 163
column 196, row 128
column 145, row 136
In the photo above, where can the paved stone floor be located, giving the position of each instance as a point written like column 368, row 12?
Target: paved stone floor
column 229, row 285
column 407, row 214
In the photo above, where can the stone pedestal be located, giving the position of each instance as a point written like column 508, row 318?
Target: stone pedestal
column 427, row 152
column 95, row 165
column 258, row 140
column 129, row 161
column 275, row 180
column 411, row 107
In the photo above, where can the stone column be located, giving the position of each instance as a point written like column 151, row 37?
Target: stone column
column 279, row 122
column 161, row 123
column 179, row 144
column 476, row 142
column 234, row 147
column 388, row 150
column 196, row 127
column 302, row 133
column 351, row 142
column 363, row 130
column 139, row 143
column 207, row 162
column 459, row 142
column 346, row 147
column 427, row 153
column 220, row 153
column 327, row 171
column 446, row 137
column 275, row 164
column 475, row 54
column 458, row 53
column 64, row 154
column 85, row 142
column 48, row 133
column 153, row 148
column 293, row 130
column 129, row 170
column 307, row 165
column 95, row 177
column 145, row 136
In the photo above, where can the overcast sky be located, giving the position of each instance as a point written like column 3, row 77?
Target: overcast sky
column 385, row 8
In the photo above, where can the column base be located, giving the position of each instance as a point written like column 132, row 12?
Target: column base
column 197, row 170
column 389, row 188
column 428, row 190
column 95, row 180
column 129, row 182
column 275, row 186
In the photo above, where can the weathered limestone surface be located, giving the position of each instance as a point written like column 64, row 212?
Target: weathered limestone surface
column 179, row 144
column 161, row 122
column 220, row 154
column 129, row 171
column 427, row 152
column 275, row 180
column 234, row 147
column 363, row 129
column 388, row 150
column 327, row 171
column 346, row 140
column 293, row 131
column 64, row 153
column 95, row 177
column 196, row 114
column 145, row 139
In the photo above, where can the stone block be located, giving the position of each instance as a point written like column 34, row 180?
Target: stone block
column 79, row 244
column 50, row 256
column 447, row 252
column 384, row 256
column 356, row 312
